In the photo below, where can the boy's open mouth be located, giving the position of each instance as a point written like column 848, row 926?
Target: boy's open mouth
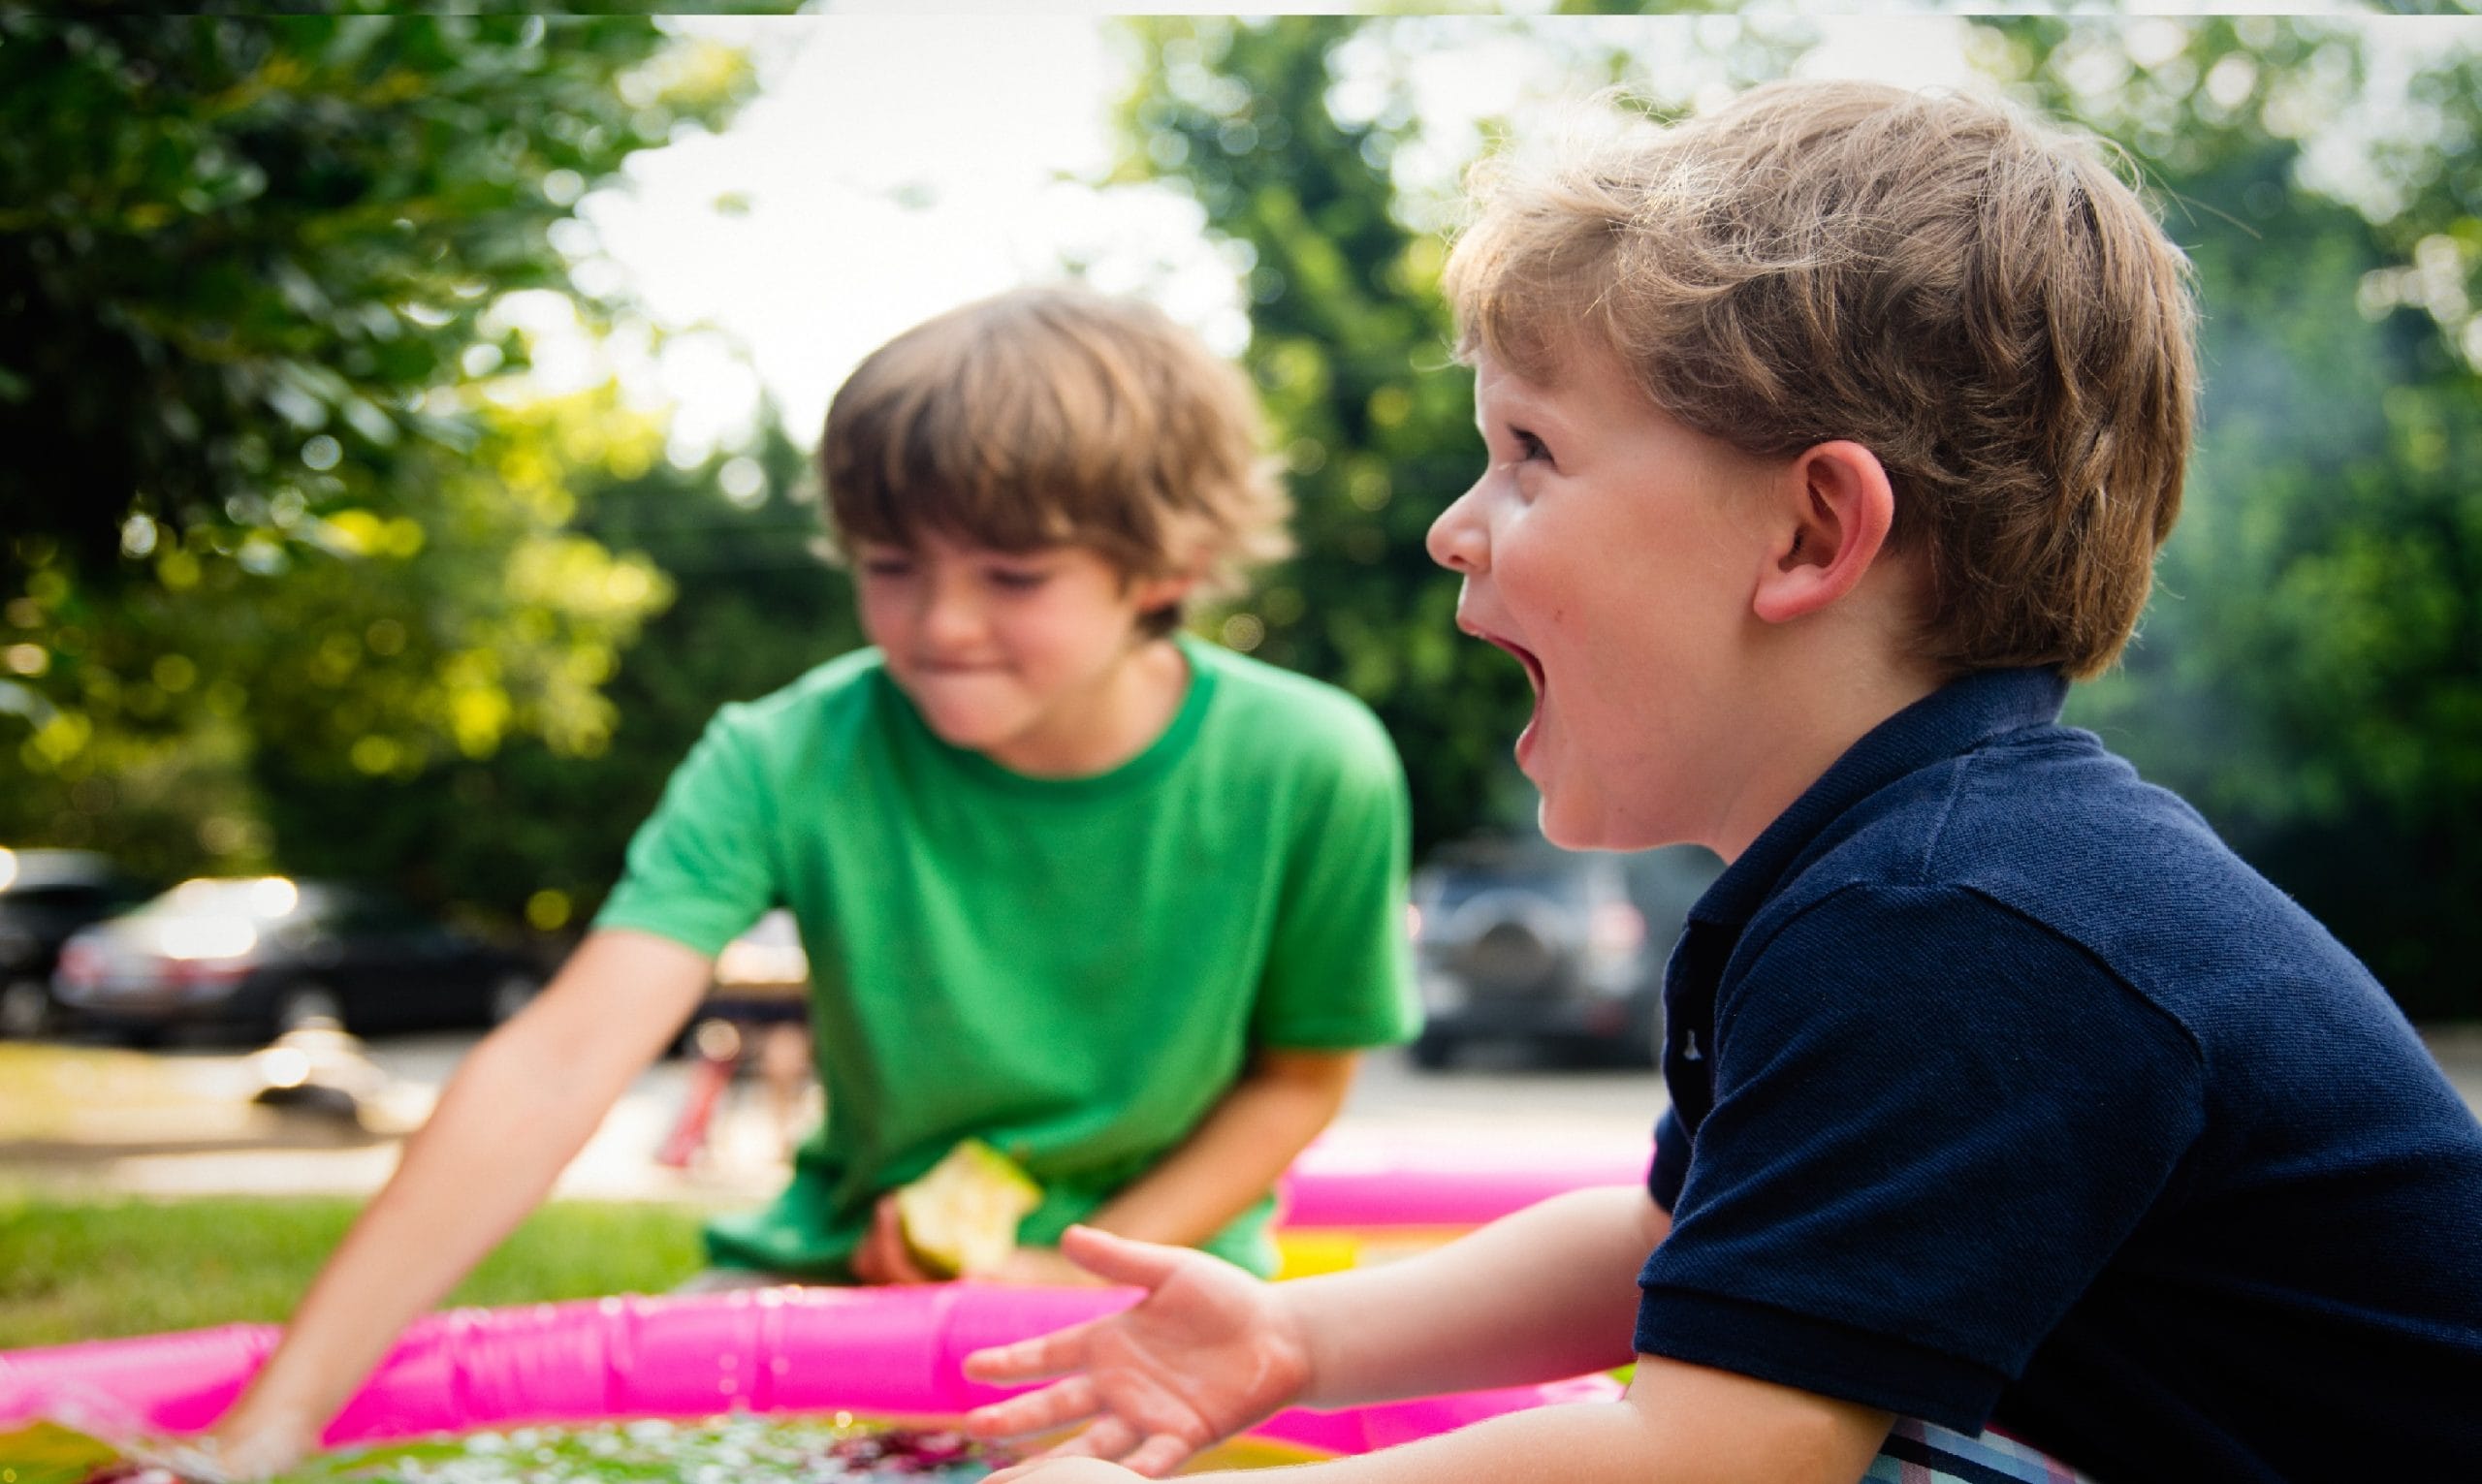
column 1524, row 656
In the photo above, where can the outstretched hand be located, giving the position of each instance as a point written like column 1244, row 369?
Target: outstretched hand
column 1208, row 1352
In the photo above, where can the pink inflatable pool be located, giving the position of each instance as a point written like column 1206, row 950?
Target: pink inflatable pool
column 1400, row 1177
column 890, row 1351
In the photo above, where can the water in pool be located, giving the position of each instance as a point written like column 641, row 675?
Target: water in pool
column 736, row 1449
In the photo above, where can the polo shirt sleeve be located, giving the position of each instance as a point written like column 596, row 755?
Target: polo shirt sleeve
column 700, row 869
column 1934, row 1122
column 1339, row 969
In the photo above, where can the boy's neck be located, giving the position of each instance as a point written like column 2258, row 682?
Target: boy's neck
column 1124, row 714
column 1810, row 722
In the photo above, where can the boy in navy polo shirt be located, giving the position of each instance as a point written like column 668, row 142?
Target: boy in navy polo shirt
column 1830, row 436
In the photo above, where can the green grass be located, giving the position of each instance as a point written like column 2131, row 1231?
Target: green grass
column 96, row 1269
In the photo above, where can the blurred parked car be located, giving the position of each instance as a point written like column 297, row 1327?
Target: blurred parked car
column 45, row 897
column 1516, row 940
column 269, row 954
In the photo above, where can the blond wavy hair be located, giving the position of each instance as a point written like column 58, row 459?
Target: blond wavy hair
column 1974, row 296
column 1056, row 416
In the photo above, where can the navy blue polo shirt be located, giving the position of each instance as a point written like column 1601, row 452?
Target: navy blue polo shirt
column 2004, row 1093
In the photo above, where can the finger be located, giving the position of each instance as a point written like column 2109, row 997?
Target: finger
column 1158, row 1456
column 904, row 1270
column 1107, row 1440
column 1036, row 1411
column 889, row 1255
column 1120, row 1260
column 870, row 1260
column 1031, row 1359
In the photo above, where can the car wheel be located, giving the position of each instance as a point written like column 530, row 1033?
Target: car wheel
column 301, row 1006
column 512, row 994
column 25, row 1009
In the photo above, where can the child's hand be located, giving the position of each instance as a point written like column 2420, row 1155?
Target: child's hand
column 1208, row 1352
column 883, row 1257
column 249, row 1444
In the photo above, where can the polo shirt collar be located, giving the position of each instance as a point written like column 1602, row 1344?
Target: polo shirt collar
column 1950, row 721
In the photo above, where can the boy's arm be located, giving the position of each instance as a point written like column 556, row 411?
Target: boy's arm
column 522, row 1104
column 1546, row 1293
column 1680, row 1424
column 1233, row 1156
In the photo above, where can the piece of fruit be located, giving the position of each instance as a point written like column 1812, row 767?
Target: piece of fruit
column 961, row 1218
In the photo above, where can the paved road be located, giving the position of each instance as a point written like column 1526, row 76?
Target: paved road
column 1499, row 1105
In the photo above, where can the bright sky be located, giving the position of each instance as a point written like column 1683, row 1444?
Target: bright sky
column 897, row 165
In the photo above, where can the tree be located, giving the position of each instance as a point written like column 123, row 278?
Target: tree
column 536, row 829
column 250, row 272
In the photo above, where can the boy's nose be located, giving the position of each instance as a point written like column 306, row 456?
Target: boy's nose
column 948, row 619
column 1458, row 539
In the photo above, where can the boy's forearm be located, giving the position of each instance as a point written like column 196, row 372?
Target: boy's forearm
column 517, row 1110
column 1580, row 1443
column 490, row 1151
column 1678, row 1424
column 1548, row 1292
column 1235, row 1153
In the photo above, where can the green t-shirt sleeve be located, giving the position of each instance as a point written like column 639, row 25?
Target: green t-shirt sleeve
column 1339, row 966
column 699, row 869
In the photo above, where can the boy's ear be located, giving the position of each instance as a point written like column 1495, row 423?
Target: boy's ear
column 1840, row 508
column 1154, row 594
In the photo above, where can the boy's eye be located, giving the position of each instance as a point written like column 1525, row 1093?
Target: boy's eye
column 1018, row 579
column 1528, row 446
column 887, row 567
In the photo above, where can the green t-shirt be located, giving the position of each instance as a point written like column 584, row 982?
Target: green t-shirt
column 1072, row 970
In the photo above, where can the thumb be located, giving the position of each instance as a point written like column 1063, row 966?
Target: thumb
column 1121, row 1260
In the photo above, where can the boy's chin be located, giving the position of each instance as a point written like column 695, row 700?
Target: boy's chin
column 970, row 733
column 1567, row 833
column 1587, row 829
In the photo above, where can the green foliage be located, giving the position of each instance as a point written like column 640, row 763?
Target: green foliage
column 263, row 522
column 532, row 826
column 225, row 239
column 74, row 1270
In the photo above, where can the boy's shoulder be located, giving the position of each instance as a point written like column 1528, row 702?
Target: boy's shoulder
column 2049, row 825
column 1281, row 712
column 830, row 698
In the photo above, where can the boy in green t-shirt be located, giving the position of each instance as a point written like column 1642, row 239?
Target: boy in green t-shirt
column 1116, row 902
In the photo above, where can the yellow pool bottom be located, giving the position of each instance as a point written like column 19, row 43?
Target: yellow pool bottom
column 1305, row 1250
